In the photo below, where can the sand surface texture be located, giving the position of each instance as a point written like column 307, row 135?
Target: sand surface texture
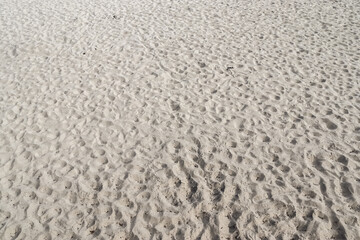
column 179, row 119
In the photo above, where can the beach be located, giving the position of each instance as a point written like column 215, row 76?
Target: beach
column 178, row 119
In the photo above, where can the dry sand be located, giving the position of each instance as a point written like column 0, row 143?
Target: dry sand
column 177, row 119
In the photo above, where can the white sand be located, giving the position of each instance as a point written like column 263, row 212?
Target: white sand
column 177, row 119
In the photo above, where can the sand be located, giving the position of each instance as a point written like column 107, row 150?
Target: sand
column 180, row 119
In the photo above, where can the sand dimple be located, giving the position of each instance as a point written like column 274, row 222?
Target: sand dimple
column 179, row 119
column 329, row 124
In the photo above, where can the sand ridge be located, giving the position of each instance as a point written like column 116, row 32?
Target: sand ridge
column 179, row 119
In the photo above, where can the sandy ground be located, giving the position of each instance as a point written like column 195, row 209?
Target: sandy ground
column 180, row 119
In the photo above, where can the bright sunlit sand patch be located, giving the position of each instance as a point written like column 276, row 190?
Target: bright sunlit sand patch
column 179, row 119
